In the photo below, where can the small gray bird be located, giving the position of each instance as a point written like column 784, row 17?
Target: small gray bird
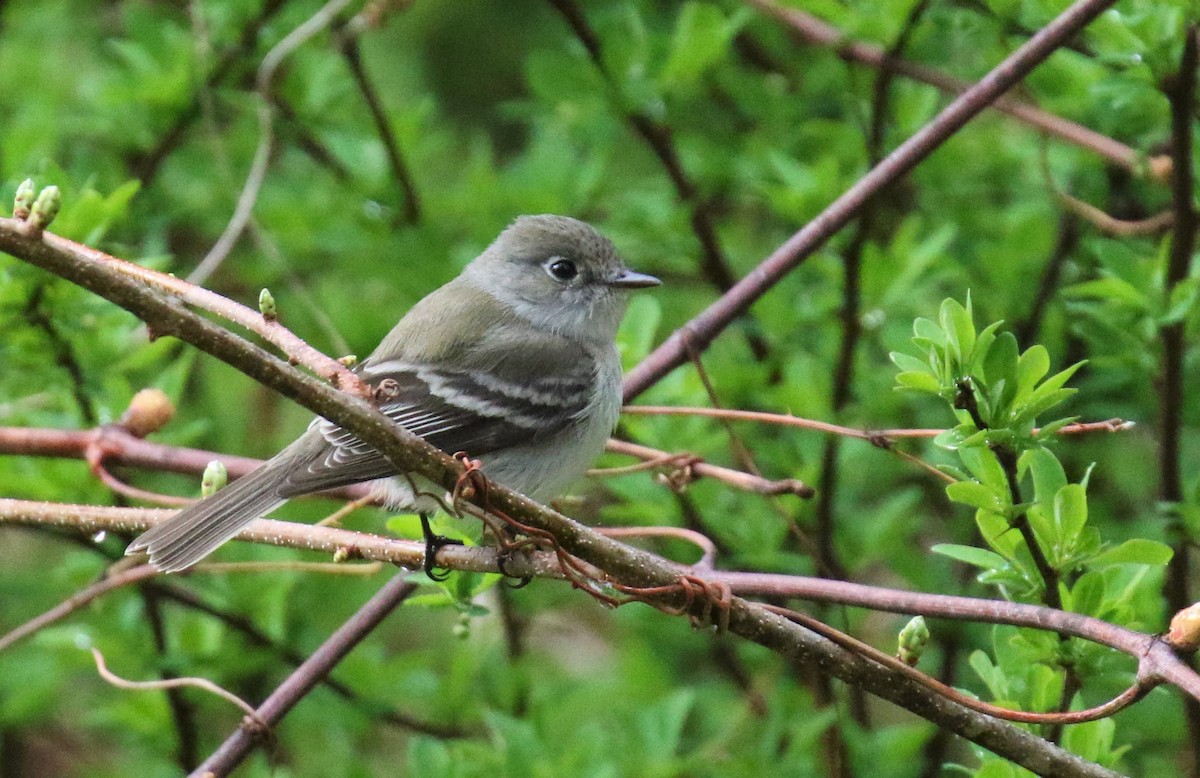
column 513, row 362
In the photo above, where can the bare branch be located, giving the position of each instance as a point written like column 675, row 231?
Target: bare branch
column 704, row 327
column 814, row 30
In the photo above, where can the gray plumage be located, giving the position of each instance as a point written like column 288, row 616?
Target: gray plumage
column 513, row 362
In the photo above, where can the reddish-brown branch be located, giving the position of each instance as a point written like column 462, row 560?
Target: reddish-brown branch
column 699, row 468
column 77, row 601
column 296, row 350
column 1167, row 667
column 704, row 327
column 878, row 437
column 119, row 446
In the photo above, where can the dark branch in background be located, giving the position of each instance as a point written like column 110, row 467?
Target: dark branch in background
column 704, row 327
column 629, row 566
column 936, row 748
column 657, row 136
column 347, row 43
column 1181, row 92
column 813, row 30
column 64, row 354
column 145, row 166
column 185, row 598
column 309, row 143
column 243, row 740
column 183, row 713
column 829, row 563
column 1068, row 238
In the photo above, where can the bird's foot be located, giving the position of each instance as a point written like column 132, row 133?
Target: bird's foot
column 434, row 542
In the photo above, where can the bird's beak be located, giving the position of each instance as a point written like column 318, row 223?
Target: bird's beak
column 632, row 280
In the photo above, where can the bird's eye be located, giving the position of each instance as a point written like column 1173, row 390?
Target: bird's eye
column 562, row 269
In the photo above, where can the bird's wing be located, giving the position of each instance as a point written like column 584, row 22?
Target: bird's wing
column 473, row 408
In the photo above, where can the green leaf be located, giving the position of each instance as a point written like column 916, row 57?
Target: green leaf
column 909, row 363
column 984, row 466
column 1047, row 471
column 701, row 39
column 983, row 345
column 979, row 557
column 1182, row 300
column 1087, row 595
column 976, row 495
column 1135, row 551
column 959, row 328
column 921, row 382
column 999, row 534
column 1070, row 512
column 925, row 329
column 1031, row 368
column 1001, row 361
column 1110, row 288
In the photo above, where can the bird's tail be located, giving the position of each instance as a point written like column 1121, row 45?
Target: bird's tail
column 195, row 532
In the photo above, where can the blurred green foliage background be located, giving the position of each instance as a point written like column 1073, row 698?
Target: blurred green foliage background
column 144, row 114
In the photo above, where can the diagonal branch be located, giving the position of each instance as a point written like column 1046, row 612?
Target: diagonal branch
column 243, row 740
column 813, row 30
column 709, row 323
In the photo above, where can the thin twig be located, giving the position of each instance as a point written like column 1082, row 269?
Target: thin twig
column 871, row 436
column 169, row 683
column 77, row 601
column 264, row 79
column 735, row 478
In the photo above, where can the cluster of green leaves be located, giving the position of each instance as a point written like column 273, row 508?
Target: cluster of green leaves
column 998, row 395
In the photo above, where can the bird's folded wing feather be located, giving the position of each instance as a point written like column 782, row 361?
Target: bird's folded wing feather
column 536, row 391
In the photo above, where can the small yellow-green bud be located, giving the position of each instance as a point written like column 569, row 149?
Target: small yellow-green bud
column 342, row 554
column 350, row 360
column 23, row 200
column 45, row 208
column 266, row 305
column 215, row 477
column 1184, row 634
column 913, row 639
